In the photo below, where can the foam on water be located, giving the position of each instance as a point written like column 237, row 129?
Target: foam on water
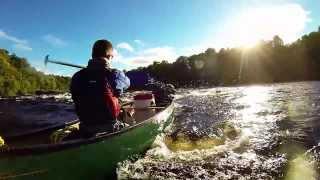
column 162, row 163
column 253, row 132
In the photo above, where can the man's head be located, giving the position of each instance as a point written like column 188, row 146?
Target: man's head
column 102, row 48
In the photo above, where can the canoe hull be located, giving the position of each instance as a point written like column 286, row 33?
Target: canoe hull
column 88, row 161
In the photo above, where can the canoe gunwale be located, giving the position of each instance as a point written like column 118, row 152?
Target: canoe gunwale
column 40, row 130
column 48, row 148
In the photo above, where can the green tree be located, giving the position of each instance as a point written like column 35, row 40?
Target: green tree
column 17, row 77
column 268, row 61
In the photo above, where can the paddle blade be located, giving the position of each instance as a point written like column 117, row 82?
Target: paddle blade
column 46, row 59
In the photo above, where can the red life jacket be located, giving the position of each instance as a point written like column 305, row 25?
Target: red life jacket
column 112, row 101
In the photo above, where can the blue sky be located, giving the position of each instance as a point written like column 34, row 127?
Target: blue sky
column 145, row 30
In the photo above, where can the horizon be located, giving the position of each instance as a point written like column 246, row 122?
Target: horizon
column 144, row 31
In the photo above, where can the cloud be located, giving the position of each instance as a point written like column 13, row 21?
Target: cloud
column 192, row 50
column 4, row 35
column 262, row 23
column 139, row 42
column 126, row 46
column 116, row 53
column 19, row 44
column 23, row 47
column 148, row 56
column 54, row 41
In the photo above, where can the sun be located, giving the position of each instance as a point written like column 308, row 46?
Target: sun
column 250, row 26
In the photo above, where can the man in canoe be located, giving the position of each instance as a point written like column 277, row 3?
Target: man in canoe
column 95, row 91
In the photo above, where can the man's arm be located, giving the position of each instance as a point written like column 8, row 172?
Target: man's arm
column 74, row 90
column 122, row 82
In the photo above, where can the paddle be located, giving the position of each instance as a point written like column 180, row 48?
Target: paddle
column 46, row 60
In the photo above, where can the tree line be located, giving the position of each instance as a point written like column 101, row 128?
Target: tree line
column 267, row 62
column 17, row 77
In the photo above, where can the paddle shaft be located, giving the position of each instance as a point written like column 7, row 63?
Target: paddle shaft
column 62, row 63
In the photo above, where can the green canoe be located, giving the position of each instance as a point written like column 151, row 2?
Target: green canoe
column 93, row 158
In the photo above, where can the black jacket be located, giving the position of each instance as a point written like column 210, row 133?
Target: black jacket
column 88, row 88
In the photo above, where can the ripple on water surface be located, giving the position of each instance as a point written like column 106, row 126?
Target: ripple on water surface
column 249, row 132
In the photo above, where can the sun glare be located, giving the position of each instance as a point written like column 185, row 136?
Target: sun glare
column 249, row 27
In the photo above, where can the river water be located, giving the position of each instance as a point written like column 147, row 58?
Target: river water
column 247, row 132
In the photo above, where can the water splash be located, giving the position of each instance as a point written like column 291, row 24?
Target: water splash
column 237, row 133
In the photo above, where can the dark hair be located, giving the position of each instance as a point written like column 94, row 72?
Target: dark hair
column 100, row 47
